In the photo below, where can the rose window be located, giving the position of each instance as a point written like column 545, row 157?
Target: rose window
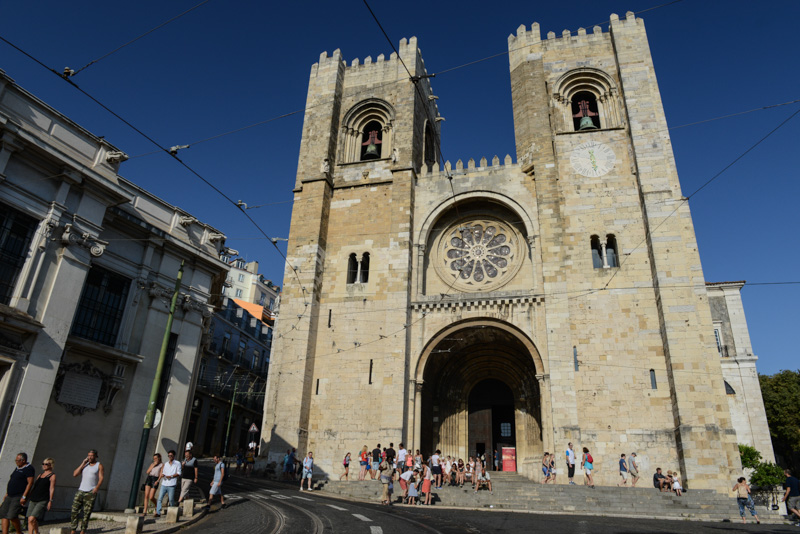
column 478, row 254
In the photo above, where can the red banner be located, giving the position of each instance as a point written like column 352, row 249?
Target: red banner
column 509, row 459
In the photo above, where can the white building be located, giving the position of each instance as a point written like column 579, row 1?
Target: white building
column 88, row 262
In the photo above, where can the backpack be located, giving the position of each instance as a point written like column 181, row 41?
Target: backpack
column 589, row 458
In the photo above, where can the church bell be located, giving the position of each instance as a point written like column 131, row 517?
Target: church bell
column 586, row 124
column 372, row 151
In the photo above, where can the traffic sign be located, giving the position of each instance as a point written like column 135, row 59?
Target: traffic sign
column 253, row 428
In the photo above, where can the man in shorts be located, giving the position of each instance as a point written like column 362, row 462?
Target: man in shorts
column 660, row 482
column 791, row 496
column 216, row 483
column 570, row 454
column 623, row 470
column 483, row 479
column 633, row 469
column 308, row 470
column 19, row 485
column 436, row 469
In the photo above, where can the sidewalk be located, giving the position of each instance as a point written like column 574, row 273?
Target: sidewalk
column 108, row 522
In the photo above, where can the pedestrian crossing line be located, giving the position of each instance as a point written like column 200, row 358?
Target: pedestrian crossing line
column 279, row 496
column 375, row 530
column 362, row 517
column 337, row 507
column 302, row 498
column 270, row 491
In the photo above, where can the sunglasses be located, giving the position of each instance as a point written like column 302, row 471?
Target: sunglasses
column 45, row 463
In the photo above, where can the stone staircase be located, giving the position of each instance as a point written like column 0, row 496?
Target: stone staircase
column 515, row 492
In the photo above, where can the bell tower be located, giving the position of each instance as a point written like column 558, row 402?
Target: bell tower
column 592, row 136
column 367, row 135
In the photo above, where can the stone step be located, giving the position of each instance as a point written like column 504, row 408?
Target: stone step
column 516, row 492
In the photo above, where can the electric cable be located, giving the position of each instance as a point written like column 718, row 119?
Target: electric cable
column 69, row 72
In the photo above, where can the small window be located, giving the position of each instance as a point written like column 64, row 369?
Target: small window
column 653, row 383
column 721, row 348
column 505, row 430
column 262, row 299
column 241, row 277
column 226, row 344
column 238, row 293
column 352, row 269
column 612, row 256
column 241, row 351
column 364, row 278
column 597, row 253
column 728, row 389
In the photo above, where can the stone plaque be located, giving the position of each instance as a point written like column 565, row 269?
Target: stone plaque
column 80, row 390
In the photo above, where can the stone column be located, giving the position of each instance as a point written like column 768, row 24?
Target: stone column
column 417, row 414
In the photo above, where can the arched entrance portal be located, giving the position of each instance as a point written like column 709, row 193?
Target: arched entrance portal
column 480, row 391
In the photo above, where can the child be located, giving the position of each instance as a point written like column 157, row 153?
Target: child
column 412, row 491
column 676, row 485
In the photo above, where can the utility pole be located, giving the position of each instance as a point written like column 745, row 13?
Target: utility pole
column 151, row 406
column 230, row 417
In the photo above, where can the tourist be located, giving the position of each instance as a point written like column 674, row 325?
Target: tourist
column 660, row 482
column 19, row 486
column 676, row 484
column 216, row 482
column 151, row 482
column 483, row 479
column 249, row 462
column 744, row 499
column 553, row 468
column 546, row 468
column 170, row 474
column 401, row 458
column 363, row 460
column 376, row 461
column 413, row 493
column 308, row 470
column 418, row 461
column 385, row 470
column 469, row 470
column 409, row 461
column 426, row 483
column 460, row 471
column 405, row 478
column 239, row 457
column 91, row 473
column 587, row 462
column 390, row 455
column 570, row 464
column 40, row 498
column 792, row 495
column 633, row 469
column 188, row 473
column 436, row 469
column 346, row 464
column 623, row 470
column 496, row 460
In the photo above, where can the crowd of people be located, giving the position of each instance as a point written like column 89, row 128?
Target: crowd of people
column 416, row 475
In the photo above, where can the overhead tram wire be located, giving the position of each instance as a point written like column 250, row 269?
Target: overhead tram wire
column 684, row 200
column 69, row 72
column 154, row 142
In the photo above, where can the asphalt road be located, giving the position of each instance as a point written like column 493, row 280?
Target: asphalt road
column 258, row 506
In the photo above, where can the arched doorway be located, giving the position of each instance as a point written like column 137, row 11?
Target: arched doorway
column 480, row 390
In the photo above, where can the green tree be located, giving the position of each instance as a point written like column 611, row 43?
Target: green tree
column 749, row 455
column 767, row 475
column 781, row 394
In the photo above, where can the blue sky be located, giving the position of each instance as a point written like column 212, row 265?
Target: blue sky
column 229, row 64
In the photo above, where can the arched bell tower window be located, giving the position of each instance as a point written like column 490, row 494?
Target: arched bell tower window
column 584, row 111
column 372, row 139
column 586, row 100
column 352, row 269
column 597, row 253
column 430, row 147
column 367, row 132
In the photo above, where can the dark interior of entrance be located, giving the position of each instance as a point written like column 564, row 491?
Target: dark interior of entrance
column 491, row 418
column 480, row 393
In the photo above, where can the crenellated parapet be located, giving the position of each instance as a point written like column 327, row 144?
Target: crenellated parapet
column 527, row 41
column 482, row 165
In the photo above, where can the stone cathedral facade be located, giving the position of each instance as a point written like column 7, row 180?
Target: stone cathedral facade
column 492, row 304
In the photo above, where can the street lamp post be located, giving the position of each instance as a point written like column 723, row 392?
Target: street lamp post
column 151, row 406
